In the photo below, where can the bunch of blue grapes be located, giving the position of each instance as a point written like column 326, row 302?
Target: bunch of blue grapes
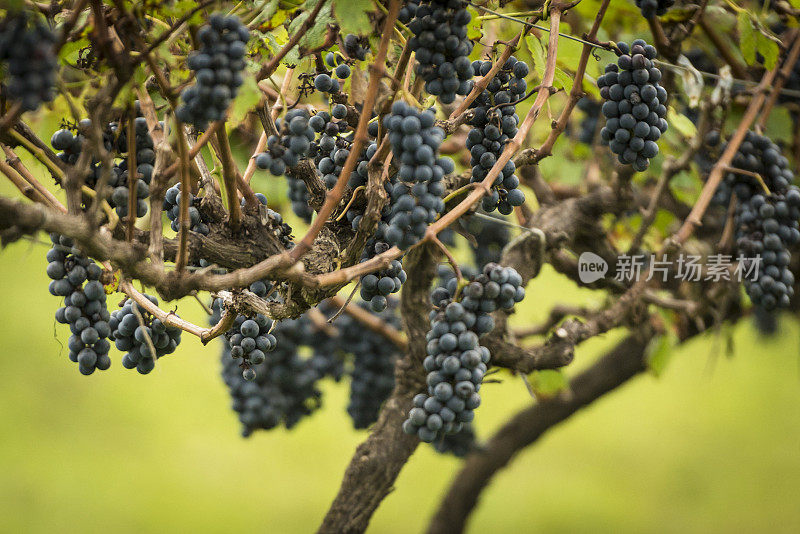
column 333, row 147
column 442, row 48
column 339, row 64
column 283, row 388
column 172, row 206
column 331, row 81
column 77, row 278
column 290, row 145
column 456, row 362
column 250, row 340
column 327, row 357
column 591, row 117
column 654, row 8
column 115, row 141
column 416, row 199
column 356, row 47
column 145, row 160
column 766, row 221
column 635, row 105
column 374, row 358
column 494, row 124
column 376, row 287
column 70, row 145
column 134, row 338
column 217, row 67
column 490, row 238
column 407, row 11
column 458, row 444
column 28, row 50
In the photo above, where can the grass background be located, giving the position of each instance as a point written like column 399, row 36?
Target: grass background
column 711, row 445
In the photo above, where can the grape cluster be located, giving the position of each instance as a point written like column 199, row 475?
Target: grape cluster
column 459, row 444
column 250, row 340
column 376, row 287
column 635, row 105
column 372, row 374
column 115, row 141
column 339, row 64
column 765, row 221
column 172, row 205
column 292, row 143
column 408, row 10
column 494, row 124
column 28, row 49
column 135, row 339
column 145, row 160
column 591, row 117
column 283, row 389
column 456, row 362
column 70, row 145
column 416, row 199
column 490, row 238
column 331, row 81
column 654, row 8
column 217, row 67
column 333, row 147
column 84, row 307
column 766, row 321
column 442, row 48
column 355, row 47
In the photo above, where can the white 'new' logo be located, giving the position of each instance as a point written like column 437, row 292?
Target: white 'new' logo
column 591, row 267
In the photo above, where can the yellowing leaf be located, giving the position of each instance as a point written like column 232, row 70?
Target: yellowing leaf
column 681, row 123
column 475, row 26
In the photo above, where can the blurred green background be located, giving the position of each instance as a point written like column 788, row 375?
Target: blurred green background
column 713, row 445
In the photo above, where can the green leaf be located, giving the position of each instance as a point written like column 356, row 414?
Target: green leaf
column 352, row 16
column 537, row 53
column 658, row 353
column 13, row 5
column 569, row 51
column 548, row 382
column 747, row 37
column 563, row 80
column 70, row 52
column 681, row 123
column 248, row 97
column 314, row 37
column 767, row 48
column 678, row 14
